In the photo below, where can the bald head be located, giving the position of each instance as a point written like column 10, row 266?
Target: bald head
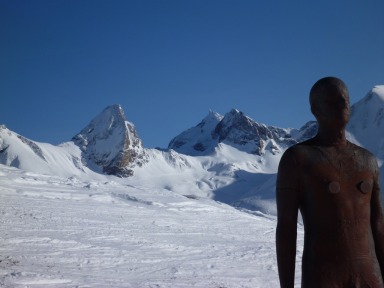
column 329, row 99
column 325, row 87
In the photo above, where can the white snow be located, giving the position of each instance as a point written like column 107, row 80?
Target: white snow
column 367, row 121
column 226, row 175
column 63, row 160
column 63, row 232
column 64, row 225
column 201, row 133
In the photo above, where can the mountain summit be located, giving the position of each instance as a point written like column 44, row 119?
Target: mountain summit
column 239, row 131
column 110, row 143
column 366, row 125
column 236, row 162
column 197, row 140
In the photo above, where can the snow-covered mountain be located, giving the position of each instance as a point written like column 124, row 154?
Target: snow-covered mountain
column 67, row 223
column 63, row 160
column 239, row 131
column 230, row 158
column 366, row 126
column 110, row 143
column 197, row 140
column 239, row 156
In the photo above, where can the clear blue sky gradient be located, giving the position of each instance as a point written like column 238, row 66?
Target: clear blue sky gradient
column 169, row 62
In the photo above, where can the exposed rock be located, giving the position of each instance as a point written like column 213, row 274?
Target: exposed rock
column 35, row 148
column 110, row 144
column 241, row 132
column 199, row 138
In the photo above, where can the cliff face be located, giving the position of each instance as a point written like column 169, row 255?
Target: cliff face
column 110, row 144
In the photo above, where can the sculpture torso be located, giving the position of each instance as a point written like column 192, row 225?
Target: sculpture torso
column 335, row 185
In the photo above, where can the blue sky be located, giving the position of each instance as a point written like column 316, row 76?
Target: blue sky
column 169, row 62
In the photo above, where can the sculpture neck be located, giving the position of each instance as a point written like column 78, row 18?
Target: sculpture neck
column 329, row 136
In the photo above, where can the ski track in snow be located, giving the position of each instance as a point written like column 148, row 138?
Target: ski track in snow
column 58, row 232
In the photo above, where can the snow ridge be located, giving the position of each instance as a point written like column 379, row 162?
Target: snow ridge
column 229, row 158
column 75, row 227
column 240, row 131
column 197, row 140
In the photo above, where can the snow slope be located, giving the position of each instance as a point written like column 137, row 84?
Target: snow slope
column 63, row 232
column 197, row 140
column 214, row 176
column 367, row 121
column 230, row 158
column 20, row 152
column 64, row 225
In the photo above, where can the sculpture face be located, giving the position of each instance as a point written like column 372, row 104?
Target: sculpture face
column 333, row 109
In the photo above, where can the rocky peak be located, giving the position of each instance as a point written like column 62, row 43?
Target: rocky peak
column 234, row 129
column 238, row 128
column 198, row 139
column 110, row 143
column 210, row 121
column 245, row 134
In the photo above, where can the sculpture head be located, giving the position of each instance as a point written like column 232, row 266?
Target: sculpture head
column 329, row 100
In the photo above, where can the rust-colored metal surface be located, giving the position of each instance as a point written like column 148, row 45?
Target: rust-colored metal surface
column 335, row 185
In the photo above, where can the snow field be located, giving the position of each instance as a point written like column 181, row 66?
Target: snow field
column 62, row 232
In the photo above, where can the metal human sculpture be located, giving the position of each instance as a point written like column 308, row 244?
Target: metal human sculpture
column 335, row 185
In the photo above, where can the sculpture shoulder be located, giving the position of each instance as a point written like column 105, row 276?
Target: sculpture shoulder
column 361, row 151
column 364, row 156
column 306, row 153
column 300, row 152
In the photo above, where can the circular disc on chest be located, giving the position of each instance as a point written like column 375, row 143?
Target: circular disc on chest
column 334, row 187
column 365, row 186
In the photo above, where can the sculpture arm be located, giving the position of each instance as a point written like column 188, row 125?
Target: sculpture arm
column 377, row 221
column 287, row 200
